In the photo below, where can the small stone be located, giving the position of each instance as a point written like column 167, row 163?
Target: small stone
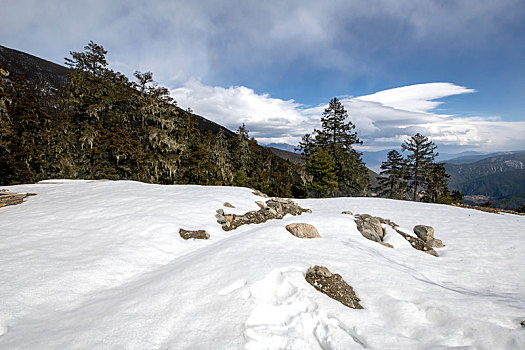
column 309, row 211
column 228, row 217
column 260, row 204
column 199, row 234
column 347, row 212
column 228, row 205
column 220, row 211
column 302, row 230
column 523, row 324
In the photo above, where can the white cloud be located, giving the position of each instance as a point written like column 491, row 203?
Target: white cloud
column 383, row 119
column 416, row 98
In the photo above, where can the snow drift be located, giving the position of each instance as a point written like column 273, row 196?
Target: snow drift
column 101, row 265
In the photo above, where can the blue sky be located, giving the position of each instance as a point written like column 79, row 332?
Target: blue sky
column 275, row 64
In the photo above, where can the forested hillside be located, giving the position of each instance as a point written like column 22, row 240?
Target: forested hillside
column 90, row 122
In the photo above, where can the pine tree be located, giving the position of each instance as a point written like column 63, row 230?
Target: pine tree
column 337, row 138
column 418, row 160
column 436, row 188
column 392, row 184
column 322, row 169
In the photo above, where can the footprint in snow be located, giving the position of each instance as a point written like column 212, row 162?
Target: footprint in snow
column 232, row 287
column 286, row 317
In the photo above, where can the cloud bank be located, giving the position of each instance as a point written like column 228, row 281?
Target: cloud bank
column 383, row 120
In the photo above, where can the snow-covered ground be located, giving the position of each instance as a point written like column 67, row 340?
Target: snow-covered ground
column 101, row 265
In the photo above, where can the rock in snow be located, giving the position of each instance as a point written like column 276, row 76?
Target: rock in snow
column 302, row 230
column 274, row 208
column 198, row 234
column 370, row 227
column 332, row 285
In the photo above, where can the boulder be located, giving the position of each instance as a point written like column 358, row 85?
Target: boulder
column 332, row 285
column 424, row 232
column 199, row 234
column 302, row 230
column 370, row 227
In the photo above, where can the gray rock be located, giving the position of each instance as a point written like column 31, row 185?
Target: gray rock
column 370, row 227
column 199, row 234
column 275, row 208
column 347, row 212
column 424, row 232
column 332, row 285
column 302, row 230
column 436, row 243
column 228, row 205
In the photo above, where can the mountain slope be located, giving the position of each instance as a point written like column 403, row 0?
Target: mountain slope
column 496, row 177
column 112, row 272
column 46, row 78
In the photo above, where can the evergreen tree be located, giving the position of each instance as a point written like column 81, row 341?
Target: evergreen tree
column 392, row 184
column 418, row 160
column 337, row 138
column 436, row 188
column 322, row 169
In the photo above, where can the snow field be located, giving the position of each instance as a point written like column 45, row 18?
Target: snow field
column 101, row 265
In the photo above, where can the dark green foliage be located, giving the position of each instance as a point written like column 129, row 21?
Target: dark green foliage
column 418, row 160
column 322, row 169
column 393, row 182
column 108, row 127
column 435, row 184
column 456, row 196
column 337, row 138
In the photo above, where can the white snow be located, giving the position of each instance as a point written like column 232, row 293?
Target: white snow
column 100, row 265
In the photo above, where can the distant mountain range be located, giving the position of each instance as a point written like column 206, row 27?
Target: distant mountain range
column 497, row 177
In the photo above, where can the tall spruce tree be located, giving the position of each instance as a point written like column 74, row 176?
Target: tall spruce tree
column 337, row 137
column 392, row 184
column 419, row 160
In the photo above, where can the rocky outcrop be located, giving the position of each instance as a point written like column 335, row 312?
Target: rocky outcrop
column 426, row 233
column 332, row 285
column 199, row 234
column 274, row 208
column 11, row 198
column 372, row 229
column 302, row 230
column 415, row 242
